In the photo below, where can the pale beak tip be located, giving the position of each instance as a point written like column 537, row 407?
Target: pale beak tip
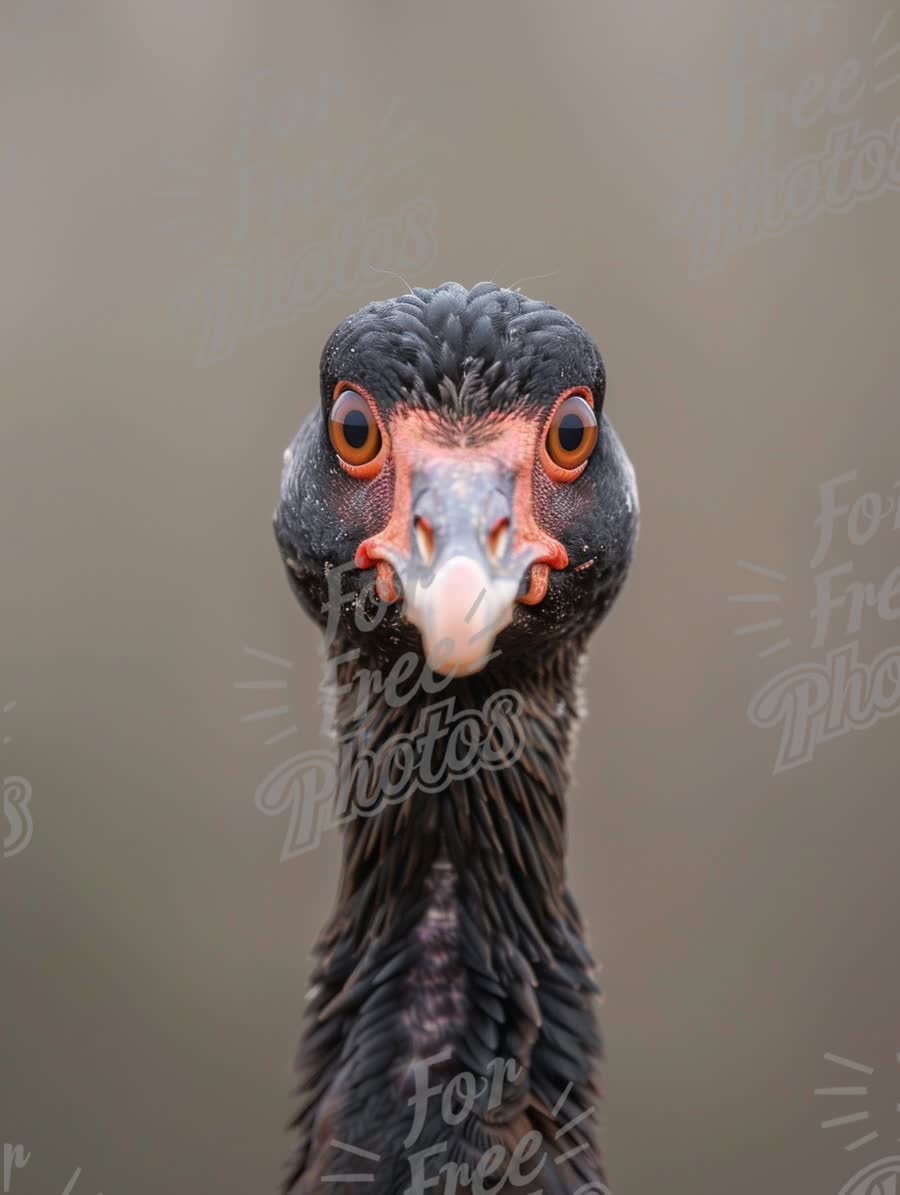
column 459, row 614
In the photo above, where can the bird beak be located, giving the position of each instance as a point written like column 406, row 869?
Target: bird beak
column 463, row 576
column 462, row 560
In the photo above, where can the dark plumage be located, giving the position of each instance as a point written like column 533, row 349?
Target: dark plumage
column 453, row 928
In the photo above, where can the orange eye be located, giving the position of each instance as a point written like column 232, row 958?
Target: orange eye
column 353, row 430
column 571, row 436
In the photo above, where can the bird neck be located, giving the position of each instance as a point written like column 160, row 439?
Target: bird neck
column 454, row 945
column 469, row 772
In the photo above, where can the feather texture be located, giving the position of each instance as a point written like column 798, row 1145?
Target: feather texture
column 477, row 952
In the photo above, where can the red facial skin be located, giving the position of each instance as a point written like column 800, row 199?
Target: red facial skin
column 416, row 440
column 415, row 447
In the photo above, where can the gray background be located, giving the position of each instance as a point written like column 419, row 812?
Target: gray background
column 154, row 949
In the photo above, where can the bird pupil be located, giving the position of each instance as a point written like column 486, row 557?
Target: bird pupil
column 356, row 429
column 571, row 433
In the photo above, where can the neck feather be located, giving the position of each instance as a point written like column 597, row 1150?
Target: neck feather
column 454, row 945
column 485, row 792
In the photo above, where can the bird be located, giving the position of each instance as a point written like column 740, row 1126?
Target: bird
column 457, row 514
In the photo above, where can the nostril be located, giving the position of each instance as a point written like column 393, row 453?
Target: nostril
column 497, row 540
column 424, row 539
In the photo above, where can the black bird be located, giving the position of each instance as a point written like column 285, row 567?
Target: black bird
column 462, row 491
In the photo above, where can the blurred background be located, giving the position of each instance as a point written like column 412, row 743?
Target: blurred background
column 192, row 197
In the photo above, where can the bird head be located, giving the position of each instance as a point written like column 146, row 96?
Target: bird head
column 459, row 481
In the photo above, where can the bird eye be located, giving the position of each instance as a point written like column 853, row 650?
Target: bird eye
column 353, row 430
column 571, row 436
